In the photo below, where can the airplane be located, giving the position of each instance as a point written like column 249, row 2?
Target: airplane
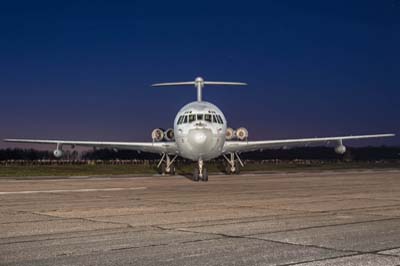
column 200, row 133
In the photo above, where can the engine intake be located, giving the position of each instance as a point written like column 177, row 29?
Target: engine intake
column 242, row 133
column 169, row 134
column 157, row 134
column 230, row 134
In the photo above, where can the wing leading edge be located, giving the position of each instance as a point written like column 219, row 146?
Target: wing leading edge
column 153, row 147
column 244, row 146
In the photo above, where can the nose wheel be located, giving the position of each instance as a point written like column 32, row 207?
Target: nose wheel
column 200, row 173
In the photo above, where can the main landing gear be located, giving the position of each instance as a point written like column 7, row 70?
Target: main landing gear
column 200, row 172
column 165, row 165
column 233, row 166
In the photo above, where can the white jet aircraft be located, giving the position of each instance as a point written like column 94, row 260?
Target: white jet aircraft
column 200, row 133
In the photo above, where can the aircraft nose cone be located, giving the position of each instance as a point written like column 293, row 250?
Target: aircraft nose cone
column 199, row 137
column 200, row 143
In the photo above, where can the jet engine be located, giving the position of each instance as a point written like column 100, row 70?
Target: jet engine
column 230, row 134
column 242, row 133
column 157, row 134
column 169, row 134
column 341, row 149
column 58, row 153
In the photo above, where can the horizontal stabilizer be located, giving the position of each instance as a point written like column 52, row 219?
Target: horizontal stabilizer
column 194, row 83
column 199, row 84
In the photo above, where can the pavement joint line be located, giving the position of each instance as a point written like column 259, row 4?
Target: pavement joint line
column 65, row 238
column 380, row 215
column 383, row 254
column 126, row 225
column 260, row 239
column 256, row 219
column 178, row 211
column 318, row 260
column 272, row 217
column 343, row 200
column 351, row 209
column 35, row 221
column 58, row 218
column 232, row 207
column 262, row 219
column 95, row 200
column 328, row 225
column 338, row 257
column 368, row 198
column 86, row 220
column 135, row 247
column 69, row 190
column 167, row 244
column 283, row 231
column 161, row 212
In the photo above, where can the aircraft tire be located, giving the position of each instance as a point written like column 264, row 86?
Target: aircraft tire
column 205, row 175
column 173, row 170
column 228, row 169
column 162, row 169
column 237, row 168
column 196, row 175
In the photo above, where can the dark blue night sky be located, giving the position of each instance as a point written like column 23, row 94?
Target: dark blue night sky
column 315, row 68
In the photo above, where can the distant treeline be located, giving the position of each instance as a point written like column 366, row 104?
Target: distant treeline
column 327, row 153
column 311, row 153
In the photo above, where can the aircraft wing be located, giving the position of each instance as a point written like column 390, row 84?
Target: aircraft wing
column 153, row 147
column 244, row 146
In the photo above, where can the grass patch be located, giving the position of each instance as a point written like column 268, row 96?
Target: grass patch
column 73, row 170
column 23, row 171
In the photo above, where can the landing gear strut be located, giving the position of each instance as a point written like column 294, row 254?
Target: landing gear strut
column 234, row 165
column 200, row 172
column 165, row 164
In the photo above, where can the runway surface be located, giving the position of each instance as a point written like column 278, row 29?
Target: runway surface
column 328, row 218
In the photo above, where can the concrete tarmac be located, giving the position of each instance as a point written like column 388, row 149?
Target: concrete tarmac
column 325, row 218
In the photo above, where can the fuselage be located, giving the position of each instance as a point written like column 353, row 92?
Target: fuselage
column 200, row 129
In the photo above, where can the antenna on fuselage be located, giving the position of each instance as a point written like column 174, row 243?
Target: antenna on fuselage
column 199, row 83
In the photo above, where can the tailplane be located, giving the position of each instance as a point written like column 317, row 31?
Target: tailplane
column 199, row 84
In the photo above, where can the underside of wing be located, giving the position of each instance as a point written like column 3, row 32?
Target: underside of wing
column 153, row 147
column 244, row 146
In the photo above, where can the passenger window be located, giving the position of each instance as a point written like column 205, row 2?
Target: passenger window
column 215, row 119
column 199, row 116
column 192, row 118
column 185, row 119
column 207, row 117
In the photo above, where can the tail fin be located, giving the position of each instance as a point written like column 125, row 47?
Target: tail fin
column 199, row 84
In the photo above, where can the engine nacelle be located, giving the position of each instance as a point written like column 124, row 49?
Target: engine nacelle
column 157, row 134
column 341, row 149
column 230, row 134
column 169, row 134
column 58, row 153
column 242, row 133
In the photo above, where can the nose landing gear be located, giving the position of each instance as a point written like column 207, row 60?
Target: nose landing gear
column 200, row 173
